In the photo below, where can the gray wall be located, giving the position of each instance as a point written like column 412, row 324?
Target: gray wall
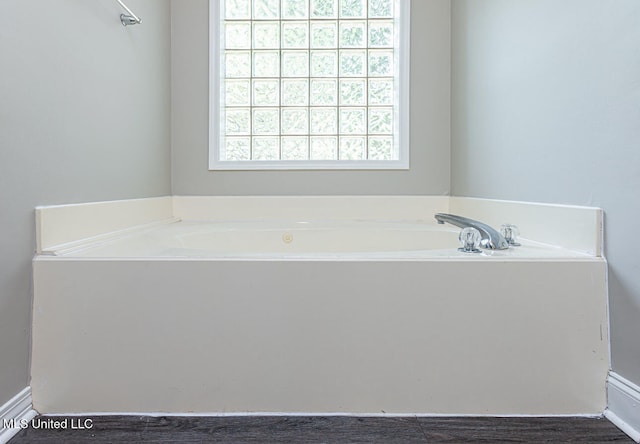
column 546, row 107
column 430, row 98
column 84, row 116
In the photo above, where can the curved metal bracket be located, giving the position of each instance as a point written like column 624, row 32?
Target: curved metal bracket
column 130, row 18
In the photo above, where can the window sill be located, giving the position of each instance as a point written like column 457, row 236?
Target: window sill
column 280, row 165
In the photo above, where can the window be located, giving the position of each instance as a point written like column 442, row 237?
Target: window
column 309, row 84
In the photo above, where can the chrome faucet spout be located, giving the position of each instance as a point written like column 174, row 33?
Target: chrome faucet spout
column 491, row 238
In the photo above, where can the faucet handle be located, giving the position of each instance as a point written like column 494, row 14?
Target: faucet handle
column 470, row 239
column 510, row 233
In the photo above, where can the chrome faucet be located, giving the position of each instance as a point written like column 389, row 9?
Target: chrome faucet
column 491, row 239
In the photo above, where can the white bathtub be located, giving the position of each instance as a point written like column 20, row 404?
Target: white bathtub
column 311, row 315
column 294, row 239
column 272, row 238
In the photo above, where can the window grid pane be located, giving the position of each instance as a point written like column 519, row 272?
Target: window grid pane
column 321, row 80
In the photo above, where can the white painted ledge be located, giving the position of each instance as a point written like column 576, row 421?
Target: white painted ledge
column 624, row 405
column 15, row 415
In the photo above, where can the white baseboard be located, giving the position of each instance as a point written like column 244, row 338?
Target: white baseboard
column 624, row 405
column 317, row 414
column 16, row 414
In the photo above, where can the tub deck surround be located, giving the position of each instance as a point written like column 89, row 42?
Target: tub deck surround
column 64, row 226
column 568, row 226
column 215, row 208
column 69, row 226
column 164, row 319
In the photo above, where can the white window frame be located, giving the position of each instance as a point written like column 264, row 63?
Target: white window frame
column 401, row 107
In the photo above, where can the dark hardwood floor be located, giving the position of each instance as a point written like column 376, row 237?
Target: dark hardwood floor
column 145, row 429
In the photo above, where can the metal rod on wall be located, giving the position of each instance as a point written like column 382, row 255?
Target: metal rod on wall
column 131, row 18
